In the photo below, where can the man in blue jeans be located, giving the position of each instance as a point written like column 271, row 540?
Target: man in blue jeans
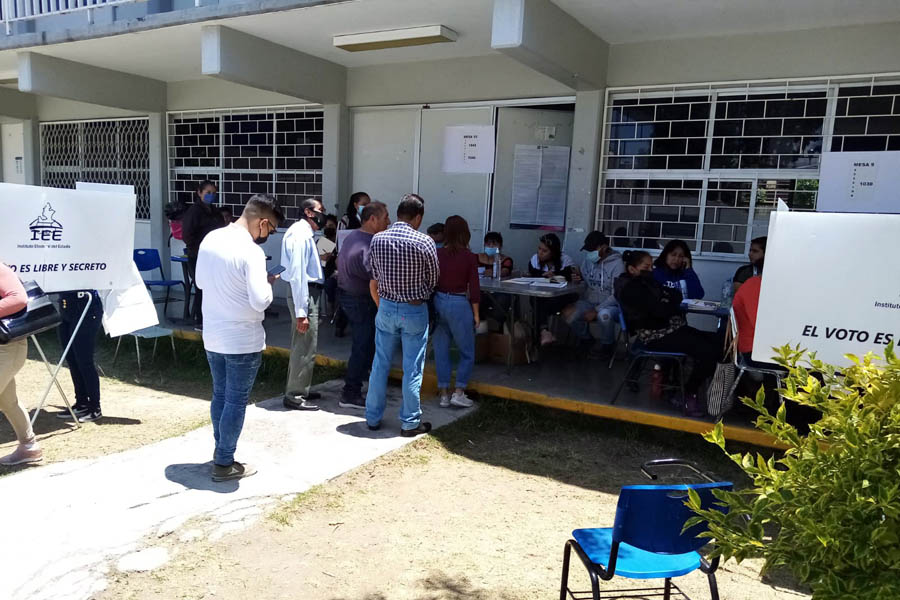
column 355, row 300
column 231, row 271
column 404, row 268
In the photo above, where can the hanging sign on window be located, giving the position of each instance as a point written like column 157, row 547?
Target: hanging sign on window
column 860, row 182
column 469, row 149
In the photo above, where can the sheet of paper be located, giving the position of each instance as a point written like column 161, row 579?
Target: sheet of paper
column 469, row 149
column 540, row 185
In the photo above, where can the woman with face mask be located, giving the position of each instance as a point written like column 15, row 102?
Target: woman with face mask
column 493, row 247
column 200, row 218
column 653, row 313
column 352, row 217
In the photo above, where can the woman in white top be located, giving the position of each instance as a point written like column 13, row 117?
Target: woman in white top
column 548, row 262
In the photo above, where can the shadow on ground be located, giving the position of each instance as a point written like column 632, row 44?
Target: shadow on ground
column 440, row 586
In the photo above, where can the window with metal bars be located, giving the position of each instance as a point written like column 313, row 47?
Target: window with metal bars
column 274, row 150
column 708, row 164
column 113, row 151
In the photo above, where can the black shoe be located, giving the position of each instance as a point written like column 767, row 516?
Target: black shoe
column 79, row 411
column 313, row 396
column 300, row 403
column 352, row 402
column 90, row 415
column 373, row 427
column 424, row 427
column 233, row 471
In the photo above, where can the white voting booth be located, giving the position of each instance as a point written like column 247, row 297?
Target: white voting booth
column 830, row 285
column 79, row 239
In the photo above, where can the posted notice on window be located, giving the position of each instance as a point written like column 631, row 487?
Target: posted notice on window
column 830, row 285
column 860, row 182
column 540, row 186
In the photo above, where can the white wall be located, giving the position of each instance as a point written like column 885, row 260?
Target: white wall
column 493, row 77
column 59, row 109
column 819, row 52
column 12, row 145
column 216, row 93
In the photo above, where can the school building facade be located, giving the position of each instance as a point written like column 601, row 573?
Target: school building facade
column 683, row 120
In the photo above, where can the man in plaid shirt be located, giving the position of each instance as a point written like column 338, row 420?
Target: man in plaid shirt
column 404, row 265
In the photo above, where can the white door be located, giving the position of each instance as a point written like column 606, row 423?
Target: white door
column 383, row 154
column 447, row 194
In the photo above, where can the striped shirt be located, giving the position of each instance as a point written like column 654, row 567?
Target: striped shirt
column 404, row 263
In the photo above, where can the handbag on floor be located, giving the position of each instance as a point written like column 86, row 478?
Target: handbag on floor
column 719, row 399
column 38, row 316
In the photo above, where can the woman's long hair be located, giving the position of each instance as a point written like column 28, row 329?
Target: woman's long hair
column 456, row 234
column 555, row 246
column 660, row 262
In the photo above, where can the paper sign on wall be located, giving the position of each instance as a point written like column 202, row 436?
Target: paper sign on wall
column 67, row 239
column 540, row 186
column 849, row 300
column 859, row 182
column 469, row 149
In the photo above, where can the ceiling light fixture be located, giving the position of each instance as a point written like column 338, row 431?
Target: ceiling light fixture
column 395, row 38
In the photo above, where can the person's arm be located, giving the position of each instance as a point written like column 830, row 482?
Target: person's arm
column 641, row 300
column 373, row 291
column 532, row 270
column 12, row 293
column 259, row 290
column 695, row 289
column 293, row 257
column 432, row 267
column 506, row 266
column 474, row 289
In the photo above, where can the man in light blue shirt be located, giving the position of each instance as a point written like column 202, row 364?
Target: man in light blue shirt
column 303, row 270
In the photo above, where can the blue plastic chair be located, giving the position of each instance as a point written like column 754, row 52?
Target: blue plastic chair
column 646, row 541
column 147, row 259
column 639, row 353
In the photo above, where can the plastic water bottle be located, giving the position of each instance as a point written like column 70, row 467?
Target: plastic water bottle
column 656, row 382
column 496, row 270
column 683, row 285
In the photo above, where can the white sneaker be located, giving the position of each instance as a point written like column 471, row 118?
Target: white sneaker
column 445, row 401
column 461, row 400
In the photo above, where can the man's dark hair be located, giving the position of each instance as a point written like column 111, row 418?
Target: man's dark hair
column 264, row 206
column 760, row 241
column 411, row 206
column 205, row 184
column 373, row 209
column 435, row 229
column 331, row 218
column 308, row 203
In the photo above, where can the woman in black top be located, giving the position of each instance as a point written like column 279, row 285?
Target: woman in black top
column 653, row 313
column 201, row 217
column 550, row 261
column 352, row 217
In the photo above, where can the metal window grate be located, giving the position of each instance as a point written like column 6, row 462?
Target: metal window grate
column 275, row 150
column 110, row 151
column 706, row 163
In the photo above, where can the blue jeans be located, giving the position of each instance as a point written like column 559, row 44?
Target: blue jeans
column 454, row 320
column 607, row 319
column 407, row 324
column 233, row 376
column 360, row 311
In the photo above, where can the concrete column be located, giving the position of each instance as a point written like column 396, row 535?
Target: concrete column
column 159, row 226
column 31, row 133
column 584, row 169
column 51, row 76
column 336, row 159
column 542, row 36
column 16, row 105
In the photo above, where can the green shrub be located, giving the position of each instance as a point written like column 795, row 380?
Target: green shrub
column 829, row 508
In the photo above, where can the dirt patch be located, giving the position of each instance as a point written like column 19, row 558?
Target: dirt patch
column 169, row 397
column 481, row 511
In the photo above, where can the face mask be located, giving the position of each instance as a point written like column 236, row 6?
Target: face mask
column 209, row 198
column 648, row 275
column 593, row 256
column 359, row 209
column 319, row 219
column 491, row 251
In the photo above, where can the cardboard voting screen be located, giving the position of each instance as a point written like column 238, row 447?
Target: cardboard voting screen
column 830, row 284
column 67, row 239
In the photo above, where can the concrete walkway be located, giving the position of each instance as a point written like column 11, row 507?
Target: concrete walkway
column 68, row 525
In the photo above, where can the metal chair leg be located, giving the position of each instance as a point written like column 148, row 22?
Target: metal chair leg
column 116, row 354
column 137, row 347
column 667, row 589
column 172, row 339
column 153, row 353
column 166, row 304
column 624, row 381
column 713, row 586
column 563, row 589
column 681, row 381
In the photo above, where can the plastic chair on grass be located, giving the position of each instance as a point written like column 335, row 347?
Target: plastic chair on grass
column 646, row 539
column 147, row 333
column 147, row 259
column 639, row 353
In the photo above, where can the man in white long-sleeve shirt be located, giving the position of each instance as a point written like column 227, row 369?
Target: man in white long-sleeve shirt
column 231, row 271
column 303, row 270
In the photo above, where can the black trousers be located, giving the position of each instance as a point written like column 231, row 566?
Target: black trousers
column 197, row 306
column 704, row 347
column 80, row 359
